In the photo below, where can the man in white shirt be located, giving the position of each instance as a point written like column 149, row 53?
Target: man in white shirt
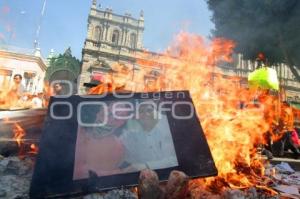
column 17, row 89
column 148, row 141
column 37, row 101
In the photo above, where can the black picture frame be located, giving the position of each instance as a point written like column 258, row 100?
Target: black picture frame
column 53, row 173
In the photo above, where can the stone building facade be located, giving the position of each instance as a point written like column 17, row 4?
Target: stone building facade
column 114, row 47
column 27, row 63
column 241, row 67
column 112, row 39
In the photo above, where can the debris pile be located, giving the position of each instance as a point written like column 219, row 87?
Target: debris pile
column 286, row 180
column 15, row 175
column 281, row 180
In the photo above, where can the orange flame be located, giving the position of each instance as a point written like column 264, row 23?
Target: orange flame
column 233, row 117
column 10, row 100
column 232, row 132
column 19, row 133
column 34, row 149
column 190, row 64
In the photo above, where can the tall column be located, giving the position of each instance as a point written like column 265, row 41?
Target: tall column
column 90, row 31
column 139, row 39
column 106, row 31
column 122, row 37
column 126, row 35
column 94, row 4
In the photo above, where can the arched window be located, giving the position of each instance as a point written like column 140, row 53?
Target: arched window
column 132, row 40
column 97, row 33
column 115, row 37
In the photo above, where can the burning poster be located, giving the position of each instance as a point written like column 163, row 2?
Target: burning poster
column 92, row 143
column 128, row 143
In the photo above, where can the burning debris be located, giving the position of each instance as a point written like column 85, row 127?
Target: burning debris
column 234, row 120
column 20, row 131
column 16, row 174
column 149, row 135
column 238, row 117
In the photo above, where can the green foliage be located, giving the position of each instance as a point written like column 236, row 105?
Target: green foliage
column 268, row 26
column 63, row 62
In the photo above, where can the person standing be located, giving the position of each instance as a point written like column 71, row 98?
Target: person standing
column 17, row 90
column 287, row 120
column 37, row 100
column 58, row 89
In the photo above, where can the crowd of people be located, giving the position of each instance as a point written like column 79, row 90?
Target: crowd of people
column 18, row 97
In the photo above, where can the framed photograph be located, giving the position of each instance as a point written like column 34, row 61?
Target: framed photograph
column 95, row 143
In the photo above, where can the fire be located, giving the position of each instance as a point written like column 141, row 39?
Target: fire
column 102, row 88
column 9, row 100
column 19, row 137
column 34, row 149
column 232, row 131
column 233, row 122
column 261, row 56
column 234, row 118
column 19, row 133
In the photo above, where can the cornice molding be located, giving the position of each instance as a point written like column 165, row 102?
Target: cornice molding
column 24, row 57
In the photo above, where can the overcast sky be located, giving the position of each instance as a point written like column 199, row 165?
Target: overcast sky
column 65, row 21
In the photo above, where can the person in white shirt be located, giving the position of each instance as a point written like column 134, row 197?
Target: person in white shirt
column 148, row 141
column 17, row 89
column 37, row 101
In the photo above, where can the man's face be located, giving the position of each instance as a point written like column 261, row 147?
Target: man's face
column 146, row 112
column 57, row 87
column 17, row 79
column 147, row 116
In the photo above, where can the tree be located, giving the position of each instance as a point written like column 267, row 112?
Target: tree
column 271, row 27
column 63, row 62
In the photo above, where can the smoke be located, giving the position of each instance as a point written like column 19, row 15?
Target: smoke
column 268, row 26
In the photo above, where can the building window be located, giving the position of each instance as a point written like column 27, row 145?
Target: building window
column 154, row 73
column 29, row 78
column 96, row 44
column 150, row 84
column 115, row 37
column 132, row 40
column 98, row 33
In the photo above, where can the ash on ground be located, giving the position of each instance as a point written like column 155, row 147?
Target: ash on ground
column 16, row 173
column 15, row 177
